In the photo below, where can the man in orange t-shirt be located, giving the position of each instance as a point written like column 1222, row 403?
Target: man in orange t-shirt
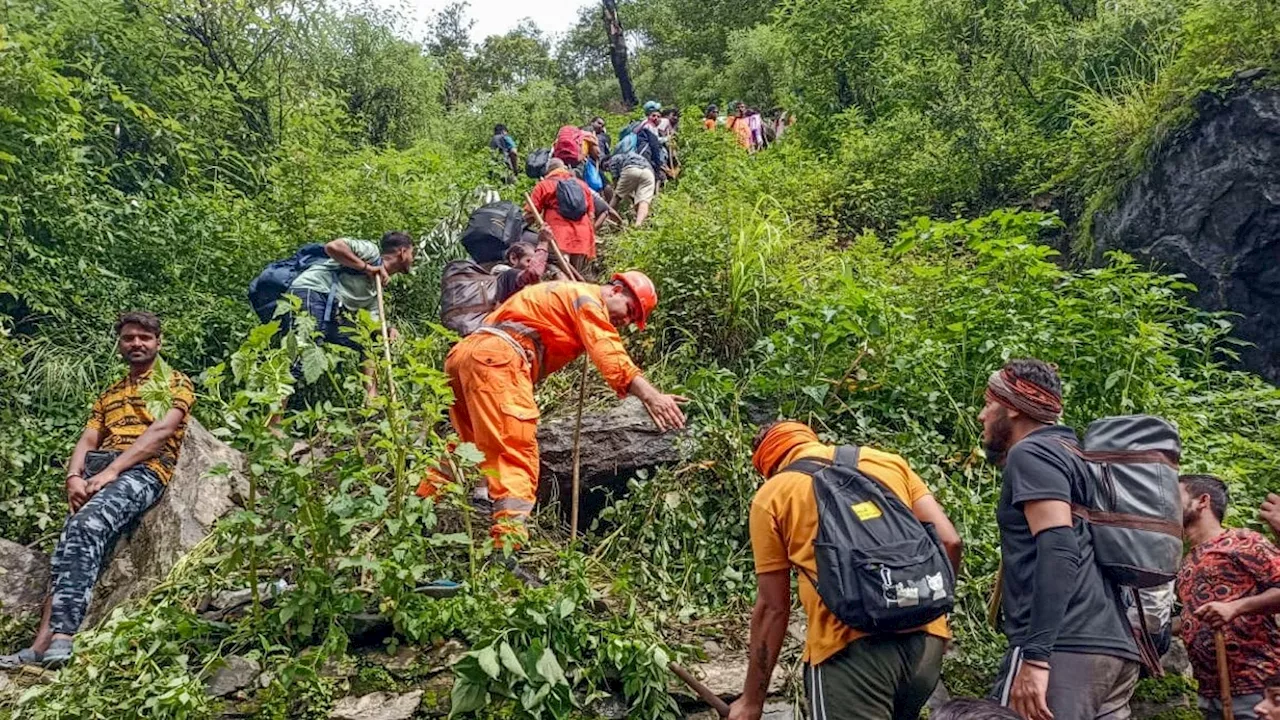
column 848, row 673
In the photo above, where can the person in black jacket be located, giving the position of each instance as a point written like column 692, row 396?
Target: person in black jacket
column 1071, row 654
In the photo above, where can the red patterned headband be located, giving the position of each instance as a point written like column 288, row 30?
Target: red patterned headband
column 1038, row 403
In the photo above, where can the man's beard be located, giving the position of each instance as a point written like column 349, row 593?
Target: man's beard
column 997, row 448
column 1189, row 516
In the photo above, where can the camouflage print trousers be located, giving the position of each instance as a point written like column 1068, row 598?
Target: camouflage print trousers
column 88, row 539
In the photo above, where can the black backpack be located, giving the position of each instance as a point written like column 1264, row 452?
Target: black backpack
column 491, row 229
column 1135, row 515
column 880, row 570
column 535, row 164
column 275, row 279
column 571, row 201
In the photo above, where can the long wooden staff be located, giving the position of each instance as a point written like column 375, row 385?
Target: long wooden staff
column 575, row 498
column 386, row 338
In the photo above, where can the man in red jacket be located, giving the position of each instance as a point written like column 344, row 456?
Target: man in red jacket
column 575, row 236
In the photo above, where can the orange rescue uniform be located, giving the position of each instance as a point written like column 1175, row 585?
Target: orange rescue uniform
column 575, row 237
column 492, row 372
column 784, row 523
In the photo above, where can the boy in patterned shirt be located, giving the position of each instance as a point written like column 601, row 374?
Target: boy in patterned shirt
column 118, row 470
column 1230, row 583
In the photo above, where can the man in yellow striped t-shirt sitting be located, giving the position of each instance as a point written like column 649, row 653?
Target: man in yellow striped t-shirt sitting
column 118, row 470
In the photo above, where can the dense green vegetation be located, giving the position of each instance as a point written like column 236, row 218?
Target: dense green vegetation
column 158, row 155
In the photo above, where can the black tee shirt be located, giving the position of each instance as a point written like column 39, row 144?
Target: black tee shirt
column 1040, row 468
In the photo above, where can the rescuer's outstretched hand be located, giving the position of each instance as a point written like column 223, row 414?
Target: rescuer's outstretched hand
column 663, row 408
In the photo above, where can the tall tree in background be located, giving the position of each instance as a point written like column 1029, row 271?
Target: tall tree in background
column 449, row 41
column 618, row 52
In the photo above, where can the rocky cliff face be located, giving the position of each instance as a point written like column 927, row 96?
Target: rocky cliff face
column 1209, row 207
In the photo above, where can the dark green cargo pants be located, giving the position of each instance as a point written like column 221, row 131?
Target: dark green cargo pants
column 885, row 677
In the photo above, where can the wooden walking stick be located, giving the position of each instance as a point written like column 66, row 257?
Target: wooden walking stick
column 1224, row 675
column 577, row 456
column 704, row 692
column 386, row 337
column 575, row 497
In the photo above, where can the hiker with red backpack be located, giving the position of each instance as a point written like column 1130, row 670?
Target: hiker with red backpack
column 1072, row 655
column 876, row 583
column 565, row 203
column 570, row 147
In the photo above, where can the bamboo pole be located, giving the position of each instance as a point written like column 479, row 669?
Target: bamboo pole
column 576, row 493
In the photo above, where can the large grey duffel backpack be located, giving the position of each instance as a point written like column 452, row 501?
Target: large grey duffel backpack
column 1136, row 513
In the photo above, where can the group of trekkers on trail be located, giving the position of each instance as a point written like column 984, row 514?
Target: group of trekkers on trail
column 1091, row 532
column 752, row 130
column 625, row 176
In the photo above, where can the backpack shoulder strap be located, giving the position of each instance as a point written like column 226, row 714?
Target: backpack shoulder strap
column 807, row 466
column 847, row 455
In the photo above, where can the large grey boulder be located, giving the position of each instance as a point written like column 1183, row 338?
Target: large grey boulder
column 1208, row 206
column 24, row 579
column 207, row 484
column 615, row 444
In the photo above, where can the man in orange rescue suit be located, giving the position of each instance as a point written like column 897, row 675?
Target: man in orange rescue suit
column 536, row 332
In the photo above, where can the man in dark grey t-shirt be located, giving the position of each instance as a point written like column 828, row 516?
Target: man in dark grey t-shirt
column 1071, row 656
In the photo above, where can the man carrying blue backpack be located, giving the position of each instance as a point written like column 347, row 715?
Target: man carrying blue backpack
column 334, row 281
column 876, row 558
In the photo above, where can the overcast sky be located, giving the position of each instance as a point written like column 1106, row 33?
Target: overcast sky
column 495, row 17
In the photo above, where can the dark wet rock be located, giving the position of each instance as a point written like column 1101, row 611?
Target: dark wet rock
column 616, row 443
column 1208, row 206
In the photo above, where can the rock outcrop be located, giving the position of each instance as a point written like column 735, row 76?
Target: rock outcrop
column 1209, row 207
column 206, row 485
column 615, row 444
column 24, row 578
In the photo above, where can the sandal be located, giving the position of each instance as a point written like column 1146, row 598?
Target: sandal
column 25, row 656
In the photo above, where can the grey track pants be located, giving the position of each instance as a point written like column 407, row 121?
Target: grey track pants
column 1082, row 686
column 88, row 538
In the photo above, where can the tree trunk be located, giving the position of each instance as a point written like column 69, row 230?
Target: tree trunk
column 618, row 52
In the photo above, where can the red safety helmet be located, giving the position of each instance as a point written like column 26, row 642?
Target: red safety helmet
column 642, row 287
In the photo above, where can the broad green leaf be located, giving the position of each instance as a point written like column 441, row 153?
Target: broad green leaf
column 467, row 696
column 314, row 363
column 511, row 662
column 468, row 452
column 488, row 659
column 549, row 668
